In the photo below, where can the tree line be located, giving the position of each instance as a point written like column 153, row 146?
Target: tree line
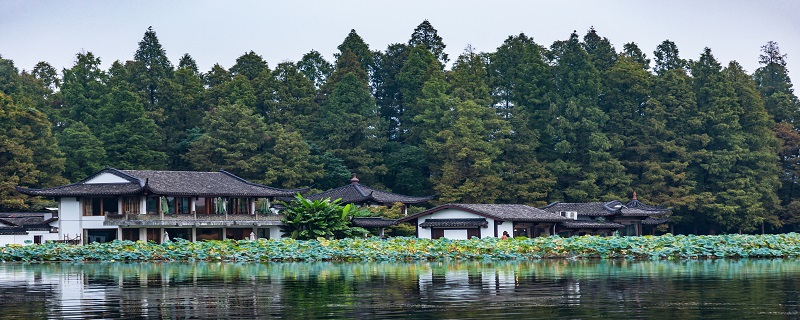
column 576, row 121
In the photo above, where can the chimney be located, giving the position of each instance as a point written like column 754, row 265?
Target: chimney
column 354, row 180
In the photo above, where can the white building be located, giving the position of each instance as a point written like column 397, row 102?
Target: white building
column 151, row 205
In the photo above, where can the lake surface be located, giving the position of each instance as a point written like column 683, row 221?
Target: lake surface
column 722, row 289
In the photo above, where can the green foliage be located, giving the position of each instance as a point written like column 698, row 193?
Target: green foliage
column 310, row 219
column 29, row 154
column 667, row 247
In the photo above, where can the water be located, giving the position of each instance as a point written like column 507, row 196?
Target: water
column 723, row 289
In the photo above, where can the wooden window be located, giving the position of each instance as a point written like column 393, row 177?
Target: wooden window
column 100, row 206
column 239, row 206
column 131, row 234
column 130, row 205
column 437, row 233
column 473, row 232
column 200, row 205
column 37, row 239
column 154, row 234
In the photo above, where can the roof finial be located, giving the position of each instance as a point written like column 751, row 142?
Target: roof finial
column 634, row 196
column 354, row 180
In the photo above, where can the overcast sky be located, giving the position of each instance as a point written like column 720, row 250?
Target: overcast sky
column 220, row 31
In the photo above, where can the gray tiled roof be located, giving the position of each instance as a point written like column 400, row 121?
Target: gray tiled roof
column 175, row 183
column 603, row 209
column 504, row 212
column 21, row 222
column 358, row 193
column 373, row 222
column 591, row 209
column 591, row 225
column 454, row 223
column 655, row 221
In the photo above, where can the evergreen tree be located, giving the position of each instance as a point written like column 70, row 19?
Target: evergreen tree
column 188, row 63
column 294, row 105
column 388, row 93
column 419, row 67
column 351, row 129
column 131, row 139
column 83, row 150
column 182, row 98
column 772, row 81
column 314, row 66
column 289, row 162
column 249, row 65
column 83, row 90
column 153, row 67
column 465, row 151
column 29, row 155
column 667, row 58
column 216, row 76
column 577, row 149
column 632, row 51
column 427, row 36
column 601, row 52
column 356, row 45
column 233, row 139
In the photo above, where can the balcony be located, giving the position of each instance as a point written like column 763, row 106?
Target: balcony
column 191, row 220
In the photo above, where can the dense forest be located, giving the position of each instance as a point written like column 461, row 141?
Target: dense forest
column 576, row 121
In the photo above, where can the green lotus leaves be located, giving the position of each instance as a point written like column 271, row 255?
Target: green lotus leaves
column 667, row 247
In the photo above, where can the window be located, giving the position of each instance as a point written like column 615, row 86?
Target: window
column 152, row 205
column 130, row 205
column 239, row 206
column 100, row 206
column 201, row 204
column 182, row 206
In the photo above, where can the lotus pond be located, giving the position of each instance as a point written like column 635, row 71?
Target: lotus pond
column 525, row 289
column 667, row 247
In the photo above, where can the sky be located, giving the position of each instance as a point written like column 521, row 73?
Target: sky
column 221, row 31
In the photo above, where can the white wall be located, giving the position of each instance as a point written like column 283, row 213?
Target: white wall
column 107, row 178
column 458, row 214
column 69, row 217
column 21, row 238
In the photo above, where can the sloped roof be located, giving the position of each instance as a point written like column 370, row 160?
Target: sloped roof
column 174, row 183
column 358, row 193
column 591, row 225
column 592, row 209
column 22, row 222
column 454, row 223
column 634, row 208
column 373, row 222
column 503, row 212
column 655, row 221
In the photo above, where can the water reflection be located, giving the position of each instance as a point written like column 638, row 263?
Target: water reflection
column 437, row 290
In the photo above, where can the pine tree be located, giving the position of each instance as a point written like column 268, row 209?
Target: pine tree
column 667, row 58
column 153, row 67
column 577, row 149
column 388, row 92
column 84, row 89
column 314, row 66
column 289, row 162
column 419, row 67
column 351, row 129
column 249, row 65
column 84, row 152
column 355, row 44
column 427, row 36
column 233, row 139
column 601, row 52
column 130, row 138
